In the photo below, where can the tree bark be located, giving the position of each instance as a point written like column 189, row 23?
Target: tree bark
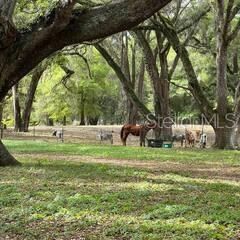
column 36, row 76
column 1, row 113
column 125, row 65
column 82, row 116
column 82, row 110
column 237, row 136
column 133, row 113
column 140, row 88
column 224, row 138
column 165, row 105
column 224, row 135
column 6, row 159
column 16, row 109
column 64, row 121
column 221, row 61
column 7, row 8
column 160, row 81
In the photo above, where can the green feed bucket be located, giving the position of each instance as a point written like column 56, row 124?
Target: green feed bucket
column 167, row 145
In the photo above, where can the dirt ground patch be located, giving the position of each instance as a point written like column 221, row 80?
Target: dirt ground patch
column 87, row 134
column 208, row 170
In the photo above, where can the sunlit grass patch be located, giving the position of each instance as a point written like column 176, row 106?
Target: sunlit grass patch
column 175, row 228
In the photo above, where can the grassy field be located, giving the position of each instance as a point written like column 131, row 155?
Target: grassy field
column 73, row 191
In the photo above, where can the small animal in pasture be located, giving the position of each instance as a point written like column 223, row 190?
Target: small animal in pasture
column 136, row 130
column 189, row 138
column 105, row 136
column 203, row 140
column 58, row 134
column 198, row 135
column 179, row 138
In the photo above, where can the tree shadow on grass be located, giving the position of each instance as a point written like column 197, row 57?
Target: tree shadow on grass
column 128, row 201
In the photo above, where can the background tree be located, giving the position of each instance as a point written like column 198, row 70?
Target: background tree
column 22, row 117
column 226, row 14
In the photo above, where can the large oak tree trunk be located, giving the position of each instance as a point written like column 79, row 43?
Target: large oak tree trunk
column 224, row 138
column 165, row 88
column 224, row 133
column 6, row 159
column 167, row 123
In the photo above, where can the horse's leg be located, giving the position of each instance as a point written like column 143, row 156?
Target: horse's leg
column 125, row 139
column 142, row 141
column 182, row 140
column 142, row 135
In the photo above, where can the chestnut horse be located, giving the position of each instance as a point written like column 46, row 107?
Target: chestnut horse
column 136, row 130
column 189, row 138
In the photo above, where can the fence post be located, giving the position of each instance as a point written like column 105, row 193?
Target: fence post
column 62, row 135
column 34, row 131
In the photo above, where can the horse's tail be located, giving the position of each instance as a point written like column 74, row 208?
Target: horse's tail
column 121, row 133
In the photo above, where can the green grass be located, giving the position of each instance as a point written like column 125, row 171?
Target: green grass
column 119, row 152
column 47, row 199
